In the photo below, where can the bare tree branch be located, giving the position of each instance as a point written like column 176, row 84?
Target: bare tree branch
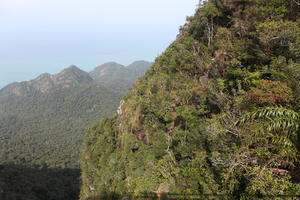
column 297, row 2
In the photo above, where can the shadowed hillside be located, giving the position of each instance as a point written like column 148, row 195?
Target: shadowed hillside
column 38, row 183
column 42, row 126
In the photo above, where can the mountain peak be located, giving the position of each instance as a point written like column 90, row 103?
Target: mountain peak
column 118, row 77
column 67, row 78
column 107, row 69
column 71, row 76
column 138, row 62
column 112, row 63
column 109, row 65
column 111, row 75
column 71, row 68
column 140, row 65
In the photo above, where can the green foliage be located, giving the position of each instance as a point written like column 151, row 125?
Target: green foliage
column 38, row 183
column 48, row 129
column 42, row 126
column 280, row 126
column 277, row 34
column 177, row 131
column 271, row 92
column 119, row 78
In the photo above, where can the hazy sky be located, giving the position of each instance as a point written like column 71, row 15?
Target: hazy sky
column 39, row 36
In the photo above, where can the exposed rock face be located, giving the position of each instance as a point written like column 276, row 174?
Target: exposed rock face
column 72, row 75
column 110, row 75
column 18, row 89
column 119, row 111
column 68, row 78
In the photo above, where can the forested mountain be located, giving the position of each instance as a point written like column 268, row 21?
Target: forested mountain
column 139, row 68
column 118, row 77
column 45, row 83
column 43, row 121
column 217, row 115
column 42, row 126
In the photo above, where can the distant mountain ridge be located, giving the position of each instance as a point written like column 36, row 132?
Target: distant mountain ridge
column 67, row 78
column 140, row 66
column 43, row 121
column 111, row 75
column 119, row 77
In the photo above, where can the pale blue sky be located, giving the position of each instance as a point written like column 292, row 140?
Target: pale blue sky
column 38, row 36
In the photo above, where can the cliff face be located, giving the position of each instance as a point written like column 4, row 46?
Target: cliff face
column 217, row 113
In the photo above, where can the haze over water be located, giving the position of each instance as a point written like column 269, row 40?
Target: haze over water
column 38, row 36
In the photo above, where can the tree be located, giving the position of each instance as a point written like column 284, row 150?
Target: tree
column 210, row 12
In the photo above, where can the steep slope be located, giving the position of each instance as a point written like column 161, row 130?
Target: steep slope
column 217, row 115
column 119, row 78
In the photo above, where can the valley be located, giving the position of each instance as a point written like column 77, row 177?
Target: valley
column 43, row 123
column 216, row 116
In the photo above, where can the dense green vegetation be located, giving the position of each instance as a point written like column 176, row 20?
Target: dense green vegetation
column 37, row 183
column 42, row 126
column 43, row 121
column 119, row 78
column 47, row 129
column 218, row 112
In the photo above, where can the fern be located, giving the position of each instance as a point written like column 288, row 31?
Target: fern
column 282, row 117
column 280, row 125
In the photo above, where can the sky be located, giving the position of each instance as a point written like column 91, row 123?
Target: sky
column 38, row 36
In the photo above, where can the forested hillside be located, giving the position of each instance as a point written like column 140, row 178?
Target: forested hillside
column 217, row 115
column 43, row 121
column 118, row 77
column 42, row 126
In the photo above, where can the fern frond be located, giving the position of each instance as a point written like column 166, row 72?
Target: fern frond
column 283, row 125
column 271, row 113
column 282, row 141
column 280, row 125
